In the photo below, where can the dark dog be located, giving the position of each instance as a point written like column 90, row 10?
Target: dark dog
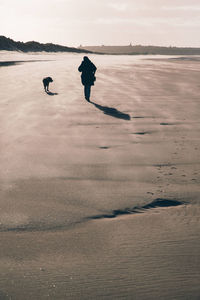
column 46, row 82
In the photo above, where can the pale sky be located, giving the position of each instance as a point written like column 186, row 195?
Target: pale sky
column 97, row 22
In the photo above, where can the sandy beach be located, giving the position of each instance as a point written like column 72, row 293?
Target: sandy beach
column 99, row 200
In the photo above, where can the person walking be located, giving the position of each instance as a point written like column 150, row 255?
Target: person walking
column 88, row 78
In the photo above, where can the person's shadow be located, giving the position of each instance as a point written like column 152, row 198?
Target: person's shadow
column 113, row 112
column 51, row 94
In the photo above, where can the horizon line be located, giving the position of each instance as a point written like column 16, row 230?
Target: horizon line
column 131, row 44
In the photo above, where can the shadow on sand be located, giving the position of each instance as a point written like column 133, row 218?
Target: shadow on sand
column 157, row 203
column 113, row 112
column 51, row 94
column 17, row 62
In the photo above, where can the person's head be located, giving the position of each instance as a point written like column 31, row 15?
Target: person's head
column 86, row 59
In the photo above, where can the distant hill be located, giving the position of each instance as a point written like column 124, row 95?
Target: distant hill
column 32, row 46
column 11, row 45
column 145, row 50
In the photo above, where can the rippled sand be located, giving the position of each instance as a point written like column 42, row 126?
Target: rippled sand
column 99, row 200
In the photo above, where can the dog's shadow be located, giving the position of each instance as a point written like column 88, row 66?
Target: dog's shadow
column 51, row 94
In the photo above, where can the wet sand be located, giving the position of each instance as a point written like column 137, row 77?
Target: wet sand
column 99, row 200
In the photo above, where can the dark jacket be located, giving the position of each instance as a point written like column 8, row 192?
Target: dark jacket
column 88, row 70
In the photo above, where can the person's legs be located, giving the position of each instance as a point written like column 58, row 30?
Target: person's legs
column 87, row 90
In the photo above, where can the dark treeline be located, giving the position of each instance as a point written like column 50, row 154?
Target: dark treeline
column 11, row 45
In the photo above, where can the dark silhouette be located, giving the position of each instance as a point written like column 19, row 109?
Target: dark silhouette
column 46, row 82
column 88, row 78
column 112, row 111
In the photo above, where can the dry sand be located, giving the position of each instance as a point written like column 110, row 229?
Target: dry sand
column 80, row 182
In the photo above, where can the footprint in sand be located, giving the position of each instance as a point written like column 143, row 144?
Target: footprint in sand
column 142, row 132
column 166, row 124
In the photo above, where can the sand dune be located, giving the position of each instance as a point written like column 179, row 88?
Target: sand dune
column 99, row 200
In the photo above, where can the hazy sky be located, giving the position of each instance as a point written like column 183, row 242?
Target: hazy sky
column 108, row 22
